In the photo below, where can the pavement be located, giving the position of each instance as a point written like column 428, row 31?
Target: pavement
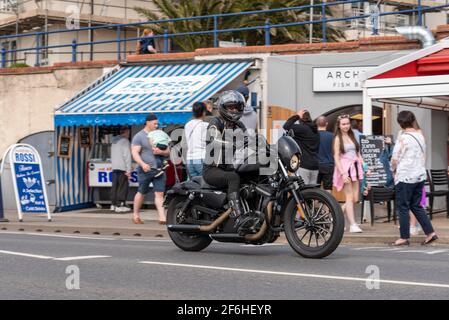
column 96, row 221
column 56, row 266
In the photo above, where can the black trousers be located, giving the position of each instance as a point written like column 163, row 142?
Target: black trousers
column 222, row 179
column 120, row 186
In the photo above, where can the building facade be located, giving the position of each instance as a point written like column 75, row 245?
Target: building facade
column 32, row 16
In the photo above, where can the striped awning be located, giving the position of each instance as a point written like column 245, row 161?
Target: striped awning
column 127, row 94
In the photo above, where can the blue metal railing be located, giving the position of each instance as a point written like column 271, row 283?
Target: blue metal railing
column 215, row 32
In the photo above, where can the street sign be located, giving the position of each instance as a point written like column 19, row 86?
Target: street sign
column 28, row 180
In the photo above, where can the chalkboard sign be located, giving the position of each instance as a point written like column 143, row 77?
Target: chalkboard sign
column 371, row 148
column 85, row 135
column 65, row 146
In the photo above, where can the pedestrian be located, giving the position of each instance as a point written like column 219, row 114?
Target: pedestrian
column 408, row 163
column 385, row 159
column 348, row 168
column 325, row 155
column 195, row 135
column 249, row 118
column 355, row 129
column 210, row 113
column 146, row 45
column 121, row 170
column 307, row 137
column 145, row 156
column 209, row 108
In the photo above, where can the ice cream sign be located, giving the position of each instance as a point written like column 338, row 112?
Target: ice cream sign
column 28, row 180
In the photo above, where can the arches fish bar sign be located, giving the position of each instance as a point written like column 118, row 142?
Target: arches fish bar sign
column 338, row 79
column 28, row 180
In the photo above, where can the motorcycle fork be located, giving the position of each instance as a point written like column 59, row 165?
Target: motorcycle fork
column 300, row 205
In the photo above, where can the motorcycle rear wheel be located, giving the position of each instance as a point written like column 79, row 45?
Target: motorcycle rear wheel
column 186, row 242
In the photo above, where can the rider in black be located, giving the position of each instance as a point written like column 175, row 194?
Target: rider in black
column 219, row 170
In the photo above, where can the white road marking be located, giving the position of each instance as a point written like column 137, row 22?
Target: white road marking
column 367, row 248
column 145, row 240
column 388, row 250
column 437, row 251
column 424, row 251
column 412, row 251
column 263, row 245
column 302, row 275
column 26, row 255
column 81, row 258
column 29, row 255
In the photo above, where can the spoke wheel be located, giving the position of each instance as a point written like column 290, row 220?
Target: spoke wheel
column 315, row 230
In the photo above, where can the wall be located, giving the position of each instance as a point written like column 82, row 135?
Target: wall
column 291, row 79
column 28, row 100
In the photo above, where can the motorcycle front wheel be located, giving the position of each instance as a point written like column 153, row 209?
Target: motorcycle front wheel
column 318, row 236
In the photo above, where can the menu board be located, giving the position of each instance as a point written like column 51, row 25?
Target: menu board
column 85, row 135
column 371, row 148
column 28, row 181
column 65, row 146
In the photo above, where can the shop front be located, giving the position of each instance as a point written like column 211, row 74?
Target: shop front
column 418, row 82
column 85, row 124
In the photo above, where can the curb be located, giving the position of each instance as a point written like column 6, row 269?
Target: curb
column 163, row 233
column 82, row 230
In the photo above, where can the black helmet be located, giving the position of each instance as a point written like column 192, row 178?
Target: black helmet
column 231, row 99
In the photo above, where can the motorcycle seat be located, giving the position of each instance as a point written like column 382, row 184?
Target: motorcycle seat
column 204, row 184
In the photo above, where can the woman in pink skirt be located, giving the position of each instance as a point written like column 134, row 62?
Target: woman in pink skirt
column 348, row 167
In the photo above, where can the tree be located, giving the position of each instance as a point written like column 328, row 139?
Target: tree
column 191, row 8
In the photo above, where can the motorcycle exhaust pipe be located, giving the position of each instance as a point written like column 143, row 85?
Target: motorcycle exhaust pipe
column 228, row 238
column 196, row 228
column 217, row 222
column 263, row 229
column 183, row 228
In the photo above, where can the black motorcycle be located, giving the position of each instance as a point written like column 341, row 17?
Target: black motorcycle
column 311, row 218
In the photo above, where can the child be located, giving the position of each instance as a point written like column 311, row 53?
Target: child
column 159, row 139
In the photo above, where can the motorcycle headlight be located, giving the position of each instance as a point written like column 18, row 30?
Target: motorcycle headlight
column 294, row 163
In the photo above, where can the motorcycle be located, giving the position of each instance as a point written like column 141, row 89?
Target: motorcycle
column 311, row 218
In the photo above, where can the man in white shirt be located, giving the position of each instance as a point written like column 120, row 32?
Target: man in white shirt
column 195, row 135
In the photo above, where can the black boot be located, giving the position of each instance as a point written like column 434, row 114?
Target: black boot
column 236, row 205
column 241, row 221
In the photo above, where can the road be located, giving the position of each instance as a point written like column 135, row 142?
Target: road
column 39, row 266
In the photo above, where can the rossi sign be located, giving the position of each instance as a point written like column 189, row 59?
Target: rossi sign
column 28, row 180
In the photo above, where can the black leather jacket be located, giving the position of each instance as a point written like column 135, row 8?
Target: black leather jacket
column 222, row 140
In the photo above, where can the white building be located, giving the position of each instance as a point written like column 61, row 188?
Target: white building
column 31, row 16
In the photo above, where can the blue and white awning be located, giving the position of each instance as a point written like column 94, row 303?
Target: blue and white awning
column 128, row 94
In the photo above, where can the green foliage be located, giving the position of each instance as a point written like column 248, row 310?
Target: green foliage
column 18, row 65
column 191, row 8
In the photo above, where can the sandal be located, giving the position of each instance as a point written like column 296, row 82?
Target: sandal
column 427, row 242
column 402, row 244
column 137, row 221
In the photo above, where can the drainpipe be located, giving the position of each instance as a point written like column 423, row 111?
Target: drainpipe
column 422, row 34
